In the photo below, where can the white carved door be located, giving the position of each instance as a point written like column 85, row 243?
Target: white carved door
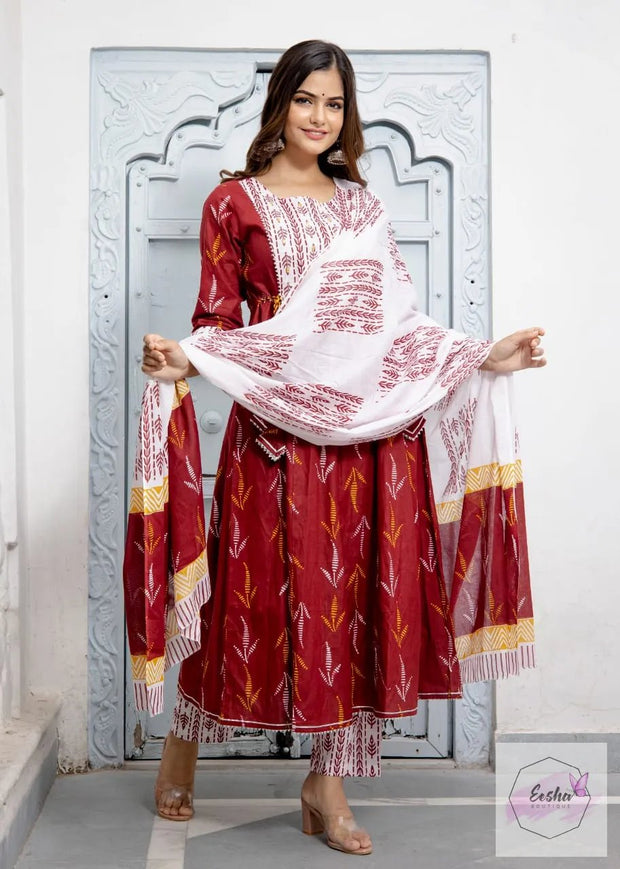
column 425, row 130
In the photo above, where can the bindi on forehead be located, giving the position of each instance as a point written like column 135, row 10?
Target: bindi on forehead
column 311, row 94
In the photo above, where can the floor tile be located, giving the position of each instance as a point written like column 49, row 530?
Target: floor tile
column 249, row 815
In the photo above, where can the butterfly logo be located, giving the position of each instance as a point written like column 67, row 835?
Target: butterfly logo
column 579, row 785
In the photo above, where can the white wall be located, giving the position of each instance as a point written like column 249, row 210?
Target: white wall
column 11, row 242
column 555, row 73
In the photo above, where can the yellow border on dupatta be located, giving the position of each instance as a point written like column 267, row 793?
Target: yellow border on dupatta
column 478, row 479
column 495, row 638
column 150, row 672
column 186, row 579
column 149, row 500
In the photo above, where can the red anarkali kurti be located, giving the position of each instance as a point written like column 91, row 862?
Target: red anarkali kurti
column 327, row 595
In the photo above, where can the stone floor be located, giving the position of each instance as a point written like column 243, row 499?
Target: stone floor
column 247, row 815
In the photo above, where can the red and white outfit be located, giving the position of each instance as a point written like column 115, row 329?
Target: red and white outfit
column 367, row 542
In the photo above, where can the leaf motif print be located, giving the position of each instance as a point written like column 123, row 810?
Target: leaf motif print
column 333, row 529
column 493, row 613
column 399, row 264
column 395, row 485
column 246, row 649
column 379, row 674
column 352, row 484
column 394, row 533
column 291, row 505
column 412, row 357
column 278, row 484
column 223, row 210
column 240, row 499
column 411, row 460
column 431, row 562
column 294, row 564
column 337, row 571
column 470, row 614
column 298, row 664
column 213, row 302
column 391, row 587
column 301, row 614
column 149, row 455
column 278, row 532
column 283, row 640
column 215, row 253
column 350, row 297
column 323, row 470
column 200, row 537
column 177, row 439
column 194, row 483
column 150, row 541
column 237, row 546
column 402, row 689
column 175, row 567
column 456, row 434
column 400, row 632
column 354, row 579
column 452, row 659
column 150, row 592
column 330, row 672
column 247, row 598
column 462, row 360
column 265, row 354
column 316, row 407
column 335, row 618
column 354, row 624
column 241, row 445
column 249, row 699
column 464, row 570
column 511, row 515
column 214, row 527
column 284, row 688
column 340, row 708
column 360, row 531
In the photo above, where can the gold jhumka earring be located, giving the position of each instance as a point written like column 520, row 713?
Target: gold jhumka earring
column 336, row 157
column 269, row 149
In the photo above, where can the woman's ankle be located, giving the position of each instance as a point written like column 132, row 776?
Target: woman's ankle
column 177, row 742
column 320, row 776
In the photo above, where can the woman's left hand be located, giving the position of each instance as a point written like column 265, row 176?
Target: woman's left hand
column 517, row 351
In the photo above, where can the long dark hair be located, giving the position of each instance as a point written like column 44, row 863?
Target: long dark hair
column 293, row 67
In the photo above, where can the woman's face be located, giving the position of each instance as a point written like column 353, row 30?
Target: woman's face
column 316, row 113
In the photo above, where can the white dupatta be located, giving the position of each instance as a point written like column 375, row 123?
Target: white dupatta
column 347, row 357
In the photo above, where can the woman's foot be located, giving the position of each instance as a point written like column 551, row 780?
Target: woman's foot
column 174, row 789
column 325, row 809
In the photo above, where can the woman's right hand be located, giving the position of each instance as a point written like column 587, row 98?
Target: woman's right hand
column 164, row 359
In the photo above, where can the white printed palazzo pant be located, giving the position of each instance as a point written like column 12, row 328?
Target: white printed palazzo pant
column 346, row 751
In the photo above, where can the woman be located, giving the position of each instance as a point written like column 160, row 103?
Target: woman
column 328, row 610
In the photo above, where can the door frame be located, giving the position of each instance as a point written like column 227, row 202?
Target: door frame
column 138, row 99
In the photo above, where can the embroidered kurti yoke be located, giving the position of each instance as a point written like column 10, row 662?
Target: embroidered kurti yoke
column 327, row 596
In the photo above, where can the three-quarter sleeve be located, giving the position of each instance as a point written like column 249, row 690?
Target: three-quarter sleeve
column 221, row 282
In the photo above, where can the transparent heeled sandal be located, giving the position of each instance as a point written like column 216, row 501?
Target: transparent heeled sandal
column 174, row 801
column 337, row 829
